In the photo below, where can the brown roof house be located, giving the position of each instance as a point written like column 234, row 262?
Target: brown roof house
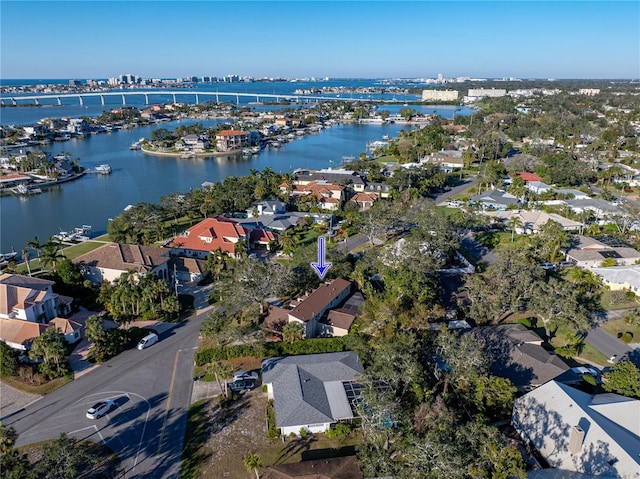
column 111, row 260
column 309, row 309
column 516, row 353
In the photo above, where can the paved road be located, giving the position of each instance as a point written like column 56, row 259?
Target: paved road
column 607, row 344
column 152, row 389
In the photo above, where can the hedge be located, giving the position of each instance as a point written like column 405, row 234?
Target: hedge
column 268, row 350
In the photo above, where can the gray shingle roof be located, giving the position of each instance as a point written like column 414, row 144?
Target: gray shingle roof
column 300, row 394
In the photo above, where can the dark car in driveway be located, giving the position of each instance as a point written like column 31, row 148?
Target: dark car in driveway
column 241, row 385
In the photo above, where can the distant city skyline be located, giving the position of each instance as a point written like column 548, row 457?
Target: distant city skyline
column 301, row 39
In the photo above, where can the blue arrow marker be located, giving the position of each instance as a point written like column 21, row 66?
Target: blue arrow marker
column 321, row 267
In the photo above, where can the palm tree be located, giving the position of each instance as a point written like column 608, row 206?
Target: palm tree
column 25, row 257
column 292, row 332
column 514, row 222
column 253, row 462
column 35, row 244
column 221, row 371
column 51, row 254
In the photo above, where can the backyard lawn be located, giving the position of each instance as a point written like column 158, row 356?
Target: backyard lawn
column 218, row 439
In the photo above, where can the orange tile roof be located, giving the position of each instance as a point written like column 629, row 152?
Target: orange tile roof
column 526, row 176
column 231, row 133
column 211, row 234
column 18, row 331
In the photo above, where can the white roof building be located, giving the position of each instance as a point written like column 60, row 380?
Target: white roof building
column 620, row 277
column 576, row 431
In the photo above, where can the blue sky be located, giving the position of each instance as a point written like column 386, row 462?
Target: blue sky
column 526, row 39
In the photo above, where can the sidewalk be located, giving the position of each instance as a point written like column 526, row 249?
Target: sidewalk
column 78, row 358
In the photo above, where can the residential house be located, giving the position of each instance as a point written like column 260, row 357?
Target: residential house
column 19, row 334
column 26, row 303
column 516, row 353
column 527, row 176
column 311, row 392
column 345, row 467
column 617, row 278
column 364, row 201
column 228, row 140
column 495, row 199
column 537, row 187
column 590, row 252
column 187, row 269
column 572, row 193
column 600, row 208
column 109, row 261
column 193, row 143
column 309, row 309
column 328, row 196
column 447, row 160
column 576, row 431
column 533, row 221
column 71, row 329
column 351, row 179
column 219, row 233
column 380, row 189
column 267, row 207
column 283, row 221
column 337, row 322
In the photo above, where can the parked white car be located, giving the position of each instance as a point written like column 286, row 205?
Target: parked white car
column 243, row 375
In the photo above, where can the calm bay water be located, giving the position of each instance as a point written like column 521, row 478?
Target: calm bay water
column 137, row 177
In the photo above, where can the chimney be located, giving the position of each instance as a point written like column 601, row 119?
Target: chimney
column 576, row 439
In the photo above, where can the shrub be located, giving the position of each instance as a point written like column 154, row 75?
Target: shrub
column 303, row 432
column 272, row 431
column 626, row 337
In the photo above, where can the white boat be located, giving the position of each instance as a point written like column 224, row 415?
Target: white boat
column 103, row 169
column 135, row 146
column 8, row 256
column 23, row 189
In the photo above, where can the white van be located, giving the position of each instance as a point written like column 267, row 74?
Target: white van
column 147, row 341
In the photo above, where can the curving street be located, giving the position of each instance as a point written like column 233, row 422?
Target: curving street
column 152, row 389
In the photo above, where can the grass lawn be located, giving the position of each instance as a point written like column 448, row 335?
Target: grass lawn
column 218, row 439
column 589, row 353
column 606, row 301
column 618, row 326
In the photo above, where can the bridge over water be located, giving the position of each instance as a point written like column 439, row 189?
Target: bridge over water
column 196, row 95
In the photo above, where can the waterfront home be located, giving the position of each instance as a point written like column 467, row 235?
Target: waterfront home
column 351, row 179
column 309, row 309
column 312, row 391
column 283, row 221
column 591, row 252
column 228, row 140
column 109, row 261
column 193, row 143
column 321, row 194
column 575, row 431
column 219, row 233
